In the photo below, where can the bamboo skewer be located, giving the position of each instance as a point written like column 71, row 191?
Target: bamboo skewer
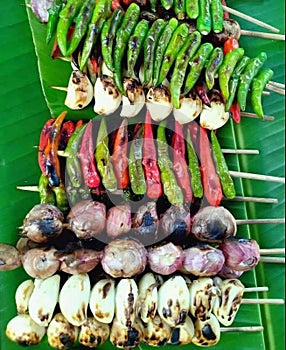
column 242, row 329
column 260, row 221
column 262, row 35
column 239, row 151
column 253, row 199
column 275, row 89
column 255, row 289
column 279, row 85
column 253, row 115
column 253, row 176
column 263, row 301
column 272, row 259
column 272, row 251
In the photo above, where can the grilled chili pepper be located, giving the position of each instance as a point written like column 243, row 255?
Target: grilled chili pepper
column 66, row 132
column 149, row 46
column 135, row 166
column 222, row 168
column 78, row 124
column 119, row 157
column 194, row 168
column 67, row 15
column 180, row 8
column 197, row 64
column 54, row 12
column 86, row 156
column 45, row 192
column 212, row 66
column 81, row 23
column 186, row 54
column 44, row 138
column 179, row 162
column 210, row 179
column 204, row 20
column 202, row 92
column 61, row 198
column 122, row 37
column 217, row 16
column 225, row 13
column 174, row 46
column 153, row 5
column 135, row 45
column 229, row 45
column 108, row 34
column 151, row 170
column 163, row 42
column 226, row 70
column 102, row 157
column 247, row 76
column 167, row 4
column 100, row 13
column 235, row 112
column 192, row 8
column 53, row 170
column 257, row 87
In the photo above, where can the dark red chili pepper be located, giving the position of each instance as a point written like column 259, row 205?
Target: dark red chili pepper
column 201, row 90
column 94, row 64
column 44, row 138
column 151, row 169
column 87, row 159
column 119, row 157
column 235, row 112
column 180, row 166
column 210, row 179
column 78, row 124
column 67, row 129
column 225, row 13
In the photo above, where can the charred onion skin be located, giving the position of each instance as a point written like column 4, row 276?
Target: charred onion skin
column 9, row 257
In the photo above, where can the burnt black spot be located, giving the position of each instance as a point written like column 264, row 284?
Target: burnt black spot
column 132, row 337
column 175, row 338
column 216, row 229
column 106, row 289
column 66, row 340
column 92, row 338
column 208, row 333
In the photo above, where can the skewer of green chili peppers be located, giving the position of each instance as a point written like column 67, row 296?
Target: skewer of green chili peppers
column 54, row 12
column 212, row 66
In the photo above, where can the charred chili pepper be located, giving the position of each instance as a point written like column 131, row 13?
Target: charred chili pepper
column 86, row 156
column 44, row 138
column 122, row 37
column 222, row 168
column 180, row 8
column 163, row 42
column 149, row 46
column 226, row 70
column 186, row 53
column 100, row 13
column 179, row 162
column 108, row 34
column 212, row 66
column 167, row 4
column 151, row 170
column 204, row 20
column 247, row 76
column 176, row 42
column 194, row 168
column 258, row 84
column 66, row 132
column 45, row 192
column 54, row 12
column 197, row 64
column 61, row 198
column 217, row 16
column 192, row 8
column 171, row 189
column 102, row 157
column 135, row 166
column 53, row 170
column 119, row 157
column 67, row 15
column 81, row 23
column 235, row 112
column 201, row 90
column 135, row 45
column 210, row 179
column 78, row 124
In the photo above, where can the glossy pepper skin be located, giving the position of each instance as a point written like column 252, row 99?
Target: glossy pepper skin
column 171, row 189
column 61, row 198
column 192, row 8
column 66, row 131
column 54, row 12
column 45, row 192
column 250, row 71
column 167, row 4
column 204, row 20
column 180, row 8
column 153, row 5
column 222, row 168
column 217, row 16
column 257, row 87
column 122, row 37
column 44, row 137
column 212, row 66
column 235, row 112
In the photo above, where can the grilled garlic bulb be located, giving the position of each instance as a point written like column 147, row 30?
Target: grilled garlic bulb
column 183, row 333
column 190, row 108
column 157, row 332
column 207, row 333
column 158, row 102
column 126, row 294
column 134, row 100
column 93, row 333
column 22, row 296
column 126, row 337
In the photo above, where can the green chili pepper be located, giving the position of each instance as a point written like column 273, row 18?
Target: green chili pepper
column 226, row 70
column 81, row 23
column 172, row 50
column 149, row 46
column 194, row 168
column 192, row 8
column 61, row 198
column 108, row 34
column 135, row 166
column 167, row 4
column 161, row 47
column 222, row 168
column 247, row 76
column 233, row 83
column 54, row 12
column 204, row 21
column 197, row 64
column 45, row 192
column 212, row 66
column 122, row 37
column 257, row 87
column 180, row 8
column 217, row 15
column 171, row 188
column 102, row 157
column 67, row 15
column 186, row 53
column 100, row 13
column 153, row 5
column 135, row 45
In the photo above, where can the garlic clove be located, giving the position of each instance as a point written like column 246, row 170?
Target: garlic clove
column 124, row 337
column 93, row 333
column 134, row 100
column 148, row 297
column 126, row 294
column 158, row 102
column 157, row 332
column 79, row 91
column 107, row 98
column 183, row 333
column 22, row 296
column 190, row 109
column 207, row 333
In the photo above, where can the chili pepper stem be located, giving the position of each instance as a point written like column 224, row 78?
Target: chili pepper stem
column 262, row 35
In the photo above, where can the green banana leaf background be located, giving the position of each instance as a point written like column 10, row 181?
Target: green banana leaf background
column 26, row 68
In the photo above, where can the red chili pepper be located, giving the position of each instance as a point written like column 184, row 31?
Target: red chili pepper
column 235, row 112
column 119, row 157
column 151, row 169
column 210, row 179
column 56, row 52
column 87, row 159
column 225, row 13
column 229, row 45
column 44, row 138
column 179, row 162
column 67, row 130
column 116, row 5
column 201, row 90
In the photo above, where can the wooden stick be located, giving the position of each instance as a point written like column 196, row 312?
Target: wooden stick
column 274, row 83
column 272, row 259
column 251, row 19
column 263, row 301
column 275, row 89
column 266, row 93
column 260, row 221
column 262, row 35
column 239, row 151
column 253, row 199
column 242, row 329
column 253, row 115
column 256, row 289
column 257, row 176
column 272, row 251
column 61, row 88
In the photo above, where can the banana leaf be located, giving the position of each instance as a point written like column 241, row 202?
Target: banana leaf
column 27, row 72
